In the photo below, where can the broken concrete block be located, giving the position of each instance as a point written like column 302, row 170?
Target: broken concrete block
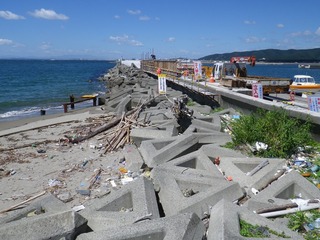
column 185, row 226
column 181, row 193
column 61, row 225
column 133, row 201
column 155, row 152
column 225, row 223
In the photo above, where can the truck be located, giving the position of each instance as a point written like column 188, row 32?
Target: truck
column 234, row 74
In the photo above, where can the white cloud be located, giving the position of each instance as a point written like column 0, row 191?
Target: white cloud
column 45, row 46
column 249, row 22
column 134, row 12
column 254, row 40
column 48, row 14
column 4, row 41
column 125, row 40
column 10, row 16
column 280, row 25
column 171, row 39
column 318, row 31
column 304, row 33
column 116, row 16
column 144, row 18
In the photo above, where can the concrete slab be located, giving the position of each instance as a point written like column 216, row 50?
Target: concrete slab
column 133, row 158
column 246, row 171
column 133, row 201
column 291, row 186
column 155, row 152
column 61, row 225
column 186, row 226
column 225, row 223
column 180, row 193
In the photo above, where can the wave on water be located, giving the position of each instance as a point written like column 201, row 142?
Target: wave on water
column 27, row 112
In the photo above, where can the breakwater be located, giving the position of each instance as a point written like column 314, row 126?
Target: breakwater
column 166, row 181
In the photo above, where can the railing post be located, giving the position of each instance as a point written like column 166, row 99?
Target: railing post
column 72, row 101
column 65, row 107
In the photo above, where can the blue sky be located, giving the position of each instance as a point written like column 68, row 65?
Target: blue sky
column 105, row 29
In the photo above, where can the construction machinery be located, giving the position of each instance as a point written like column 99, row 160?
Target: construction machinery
column 234, row 74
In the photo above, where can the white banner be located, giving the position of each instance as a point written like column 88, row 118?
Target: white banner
column 257, row 90
column 197, row 68
column 314, row 104
column 162, row 84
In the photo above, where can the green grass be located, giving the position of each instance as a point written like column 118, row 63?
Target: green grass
column 256, row 231
column 281, row 133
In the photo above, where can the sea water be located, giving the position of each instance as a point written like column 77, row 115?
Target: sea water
column 29, row 86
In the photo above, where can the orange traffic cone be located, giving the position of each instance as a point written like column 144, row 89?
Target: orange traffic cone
column 211, row 79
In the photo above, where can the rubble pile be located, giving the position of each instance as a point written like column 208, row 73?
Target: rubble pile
column 160, row 181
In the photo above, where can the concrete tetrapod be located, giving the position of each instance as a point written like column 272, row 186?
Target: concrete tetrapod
column 132, row 202
column 185, row 226
column 156, row 152
column 180, row 193
column 281, row 192
column 225, row 223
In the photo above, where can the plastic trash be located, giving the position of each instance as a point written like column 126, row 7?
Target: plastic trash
column 315, row 168
column 317, row 223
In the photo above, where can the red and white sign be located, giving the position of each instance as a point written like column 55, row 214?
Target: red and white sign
column 257, row 90
column 197, row 69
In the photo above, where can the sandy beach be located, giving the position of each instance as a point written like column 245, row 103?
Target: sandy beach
column 35, row 156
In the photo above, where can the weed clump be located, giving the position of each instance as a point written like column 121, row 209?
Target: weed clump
column 282, row 134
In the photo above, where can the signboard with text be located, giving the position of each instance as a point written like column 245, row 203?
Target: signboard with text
column 197, row 68
column 314, row 104
column 257, row 90
column 162, row 83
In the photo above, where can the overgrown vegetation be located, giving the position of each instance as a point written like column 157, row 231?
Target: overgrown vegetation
column 256, row 231
column 303, row 222
column 282, row 134
column 190, row 103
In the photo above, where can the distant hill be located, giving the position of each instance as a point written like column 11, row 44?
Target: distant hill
column 272, row 55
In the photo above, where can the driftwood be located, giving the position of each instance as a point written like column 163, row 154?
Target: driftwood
column 26, row 201
column 109, row 125
column 122, row 134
